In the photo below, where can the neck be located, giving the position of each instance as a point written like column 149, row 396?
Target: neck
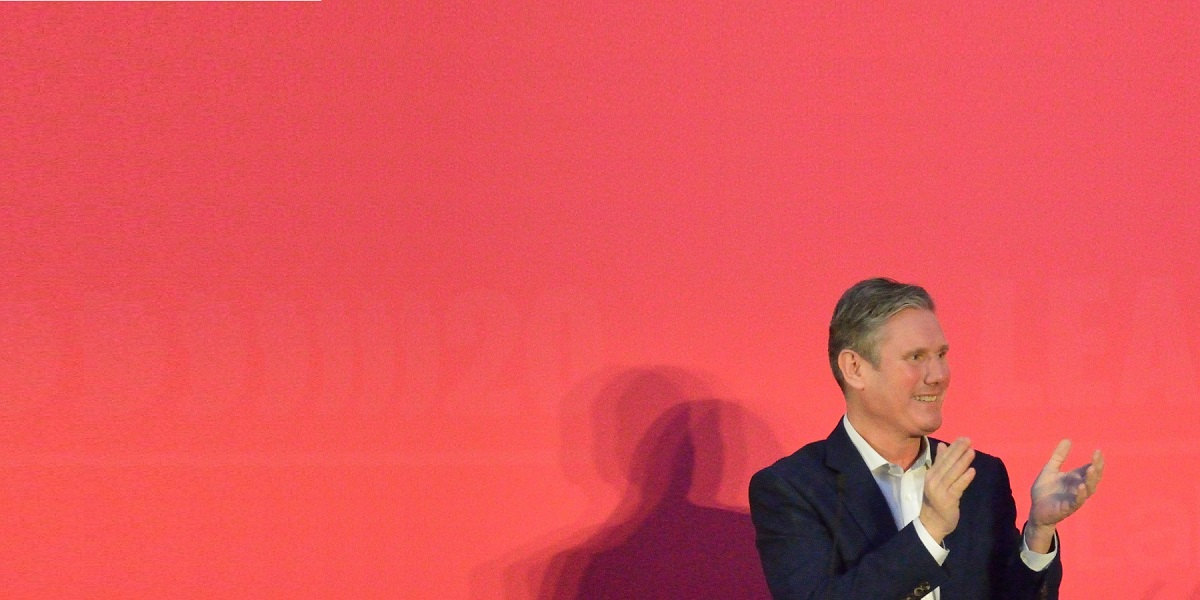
column 899, row 449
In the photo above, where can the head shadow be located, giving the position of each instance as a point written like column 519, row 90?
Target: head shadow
column 681, row 460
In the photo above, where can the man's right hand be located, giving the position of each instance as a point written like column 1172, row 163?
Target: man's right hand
column 945, row 482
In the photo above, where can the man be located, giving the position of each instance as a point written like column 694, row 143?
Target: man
column 880, row 511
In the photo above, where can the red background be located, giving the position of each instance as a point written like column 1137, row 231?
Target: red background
column 452, row 301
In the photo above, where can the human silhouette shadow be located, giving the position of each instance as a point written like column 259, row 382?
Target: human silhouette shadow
column 679, row 456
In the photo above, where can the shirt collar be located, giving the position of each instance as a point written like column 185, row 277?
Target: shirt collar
column 873, row 459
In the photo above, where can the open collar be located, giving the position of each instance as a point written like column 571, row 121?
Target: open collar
column 876, row 461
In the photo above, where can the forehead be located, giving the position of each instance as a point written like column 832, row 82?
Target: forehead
column 912, row 328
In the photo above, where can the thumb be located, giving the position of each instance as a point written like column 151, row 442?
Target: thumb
column 1054, row 465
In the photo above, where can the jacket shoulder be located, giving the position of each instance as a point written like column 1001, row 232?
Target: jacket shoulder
column 804, row 464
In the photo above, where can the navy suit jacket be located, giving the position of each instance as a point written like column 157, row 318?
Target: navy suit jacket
column 824, row 531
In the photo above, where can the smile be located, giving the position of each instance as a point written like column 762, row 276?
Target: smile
column 932, row 398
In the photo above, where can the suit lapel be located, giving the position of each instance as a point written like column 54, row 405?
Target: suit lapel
column 857, row 488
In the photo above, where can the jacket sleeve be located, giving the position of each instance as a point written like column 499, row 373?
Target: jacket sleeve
column 1016, row 580
column 811, row 549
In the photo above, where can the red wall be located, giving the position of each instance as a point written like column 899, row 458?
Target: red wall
column 364, row 300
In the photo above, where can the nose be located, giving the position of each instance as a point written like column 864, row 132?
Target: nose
column 938, row 371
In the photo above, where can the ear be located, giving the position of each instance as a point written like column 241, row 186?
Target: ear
column 853, row 366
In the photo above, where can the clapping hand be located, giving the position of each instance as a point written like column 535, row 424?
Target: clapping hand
column 945, row 483
column 1057, row 494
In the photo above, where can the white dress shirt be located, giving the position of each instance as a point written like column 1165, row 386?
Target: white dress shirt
column 905, row 492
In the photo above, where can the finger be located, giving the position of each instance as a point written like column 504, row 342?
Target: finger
column 945, row 456
column 1092, row 486
column 1088, row 474
column 948, row 450
column 1094, row 473
column 940, row 474
column 960, row 464
column 1081, row 494
column 940, row 457
column 956, row 450
column 1098, row 462
column 1059, row 456
column 954, row 470
column 960, row 484
column 1078, row 474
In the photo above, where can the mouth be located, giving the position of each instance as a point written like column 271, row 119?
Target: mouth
column 930, row 398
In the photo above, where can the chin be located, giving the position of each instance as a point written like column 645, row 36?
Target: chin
column 928, row 427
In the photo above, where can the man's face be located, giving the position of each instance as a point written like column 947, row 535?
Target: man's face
column 903, row 394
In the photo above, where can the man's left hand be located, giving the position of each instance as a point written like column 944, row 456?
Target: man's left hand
column 1057, row 494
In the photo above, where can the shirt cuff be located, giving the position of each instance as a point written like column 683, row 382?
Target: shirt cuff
column 1036, row 561
column 938, row 551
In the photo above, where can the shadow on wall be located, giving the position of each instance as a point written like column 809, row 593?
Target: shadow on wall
column 683, row 460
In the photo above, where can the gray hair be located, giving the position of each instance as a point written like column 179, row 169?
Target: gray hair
column 862, row 311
